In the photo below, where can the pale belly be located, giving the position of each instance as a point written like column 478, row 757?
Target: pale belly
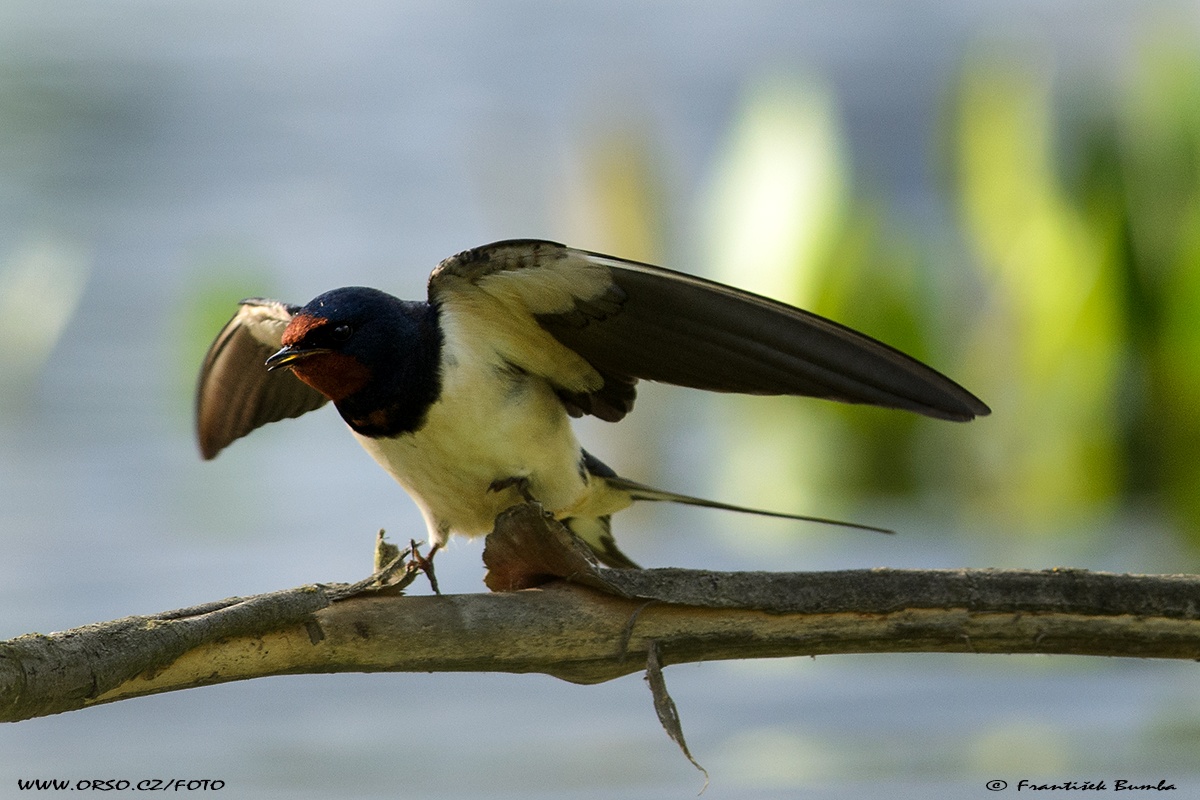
column 470, row 442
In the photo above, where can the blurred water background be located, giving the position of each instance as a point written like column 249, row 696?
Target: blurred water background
column 1007, row 189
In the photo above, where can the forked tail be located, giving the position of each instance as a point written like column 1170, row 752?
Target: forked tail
column 640, row 491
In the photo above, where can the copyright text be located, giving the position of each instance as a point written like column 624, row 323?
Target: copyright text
column 1117, row 785
column 120, row 785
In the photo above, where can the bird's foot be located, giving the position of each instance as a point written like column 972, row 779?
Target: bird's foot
column 424, row 563
column 518, row 482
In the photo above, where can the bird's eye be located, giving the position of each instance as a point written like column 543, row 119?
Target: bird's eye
column 341, row 333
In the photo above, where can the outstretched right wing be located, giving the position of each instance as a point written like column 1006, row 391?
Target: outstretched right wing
column 236, row 393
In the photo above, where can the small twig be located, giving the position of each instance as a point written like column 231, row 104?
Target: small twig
column 664, row 706
column 383, row 580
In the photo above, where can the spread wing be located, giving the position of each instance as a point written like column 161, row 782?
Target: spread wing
column 236, row 394
column 593, row 325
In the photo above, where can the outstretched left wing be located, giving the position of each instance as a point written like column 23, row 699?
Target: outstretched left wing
column 236, row 393
column 593, row 325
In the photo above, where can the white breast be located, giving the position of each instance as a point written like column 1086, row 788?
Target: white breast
column 492, row 422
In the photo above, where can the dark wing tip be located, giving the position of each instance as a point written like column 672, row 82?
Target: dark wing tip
column 972, row 407
column 941, row 398
column 936, row 397
column 209, row 444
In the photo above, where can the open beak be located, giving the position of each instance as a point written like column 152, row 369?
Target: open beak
column 287, row 356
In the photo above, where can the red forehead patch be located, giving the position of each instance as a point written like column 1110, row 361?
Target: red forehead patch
column 299, row 327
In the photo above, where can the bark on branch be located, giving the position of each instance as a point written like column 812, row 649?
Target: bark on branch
column 587, row 624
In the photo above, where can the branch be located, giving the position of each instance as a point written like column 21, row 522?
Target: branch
column 588, row 624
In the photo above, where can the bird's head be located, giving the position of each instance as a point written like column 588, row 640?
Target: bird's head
column 345, row 339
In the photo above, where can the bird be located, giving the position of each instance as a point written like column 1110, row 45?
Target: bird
column 466, row 397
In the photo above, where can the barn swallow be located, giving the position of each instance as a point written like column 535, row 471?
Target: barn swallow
column 466, row 398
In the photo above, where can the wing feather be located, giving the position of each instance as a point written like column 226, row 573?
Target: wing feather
column 627, row 320
column 236, row 393
column 492, row 296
